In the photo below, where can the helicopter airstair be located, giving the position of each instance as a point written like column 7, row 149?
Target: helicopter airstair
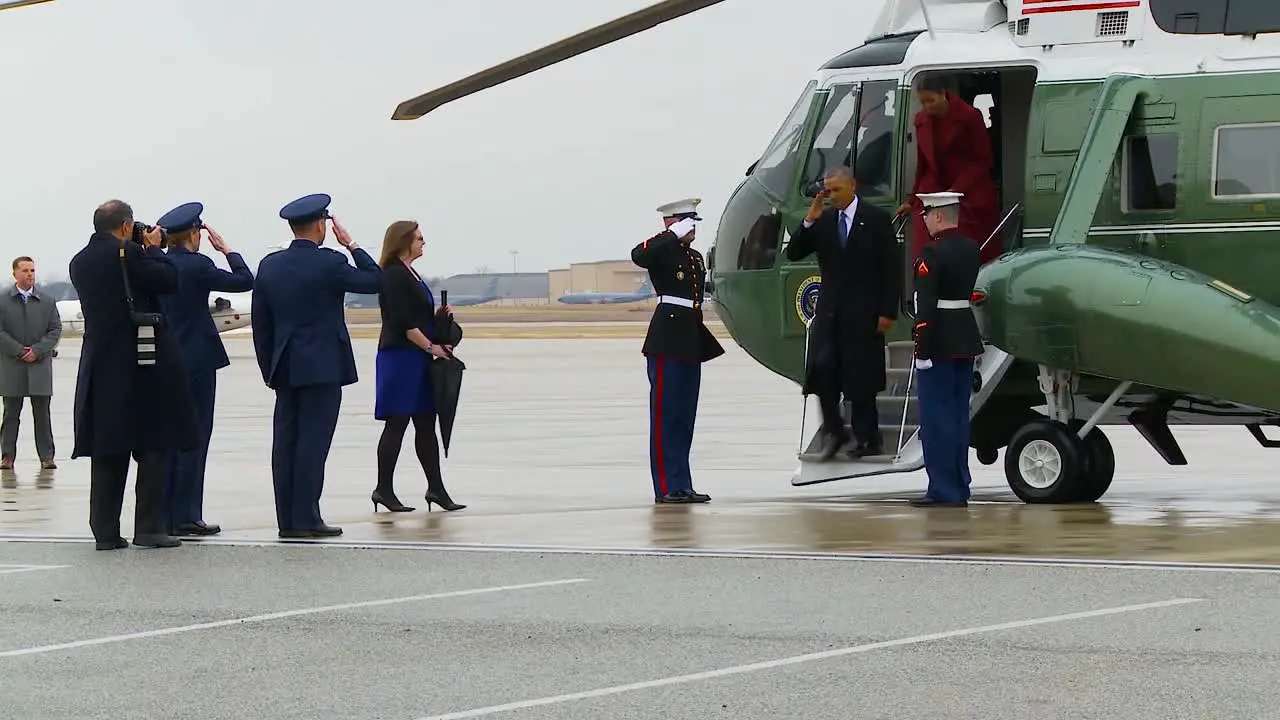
column 899, row 410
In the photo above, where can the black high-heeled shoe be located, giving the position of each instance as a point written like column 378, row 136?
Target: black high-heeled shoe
column 443, row 500
column 390, row 502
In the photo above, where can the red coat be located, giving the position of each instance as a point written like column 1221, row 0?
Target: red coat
column 953, row 154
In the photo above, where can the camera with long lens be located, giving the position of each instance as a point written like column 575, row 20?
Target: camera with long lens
column 141, row 228
column 815, row 188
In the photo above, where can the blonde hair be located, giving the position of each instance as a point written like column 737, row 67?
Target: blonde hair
column 396, row 241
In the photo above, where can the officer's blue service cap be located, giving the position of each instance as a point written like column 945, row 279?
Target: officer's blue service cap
column 939, row 199
column 307, row 209
column 686, row 208
column 183, row 217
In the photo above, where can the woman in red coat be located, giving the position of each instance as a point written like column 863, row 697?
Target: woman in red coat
column 953, row 154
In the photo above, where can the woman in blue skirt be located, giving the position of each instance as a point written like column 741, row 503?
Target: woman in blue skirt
column 406, row 346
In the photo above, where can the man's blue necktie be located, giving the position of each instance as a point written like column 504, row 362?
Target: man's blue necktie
column 844, row 230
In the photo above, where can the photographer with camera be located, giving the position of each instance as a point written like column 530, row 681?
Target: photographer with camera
column 132, row 397
column 187, row 312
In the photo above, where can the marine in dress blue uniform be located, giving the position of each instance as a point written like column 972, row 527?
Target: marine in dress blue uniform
column 676, row 345
column 947, row 340
column 304, row 352
column 187, row 312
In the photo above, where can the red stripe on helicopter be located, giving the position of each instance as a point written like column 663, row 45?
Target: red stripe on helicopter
column 1028, row 8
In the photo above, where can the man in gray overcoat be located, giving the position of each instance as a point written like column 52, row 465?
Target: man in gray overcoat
column 29, row 333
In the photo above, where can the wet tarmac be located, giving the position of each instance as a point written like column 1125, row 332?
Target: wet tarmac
column 550, row 451
column 562, row 592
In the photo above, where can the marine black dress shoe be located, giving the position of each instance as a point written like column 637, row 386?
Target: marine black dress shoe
column 197, row 528
column 116, row 544
column 682, row 497
column 926, row 501
column 156, row 541
column 326, row 531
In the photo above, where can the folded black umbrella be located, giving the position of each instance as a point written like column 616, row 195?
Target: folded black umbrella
column 446, row 384
column 446, row 375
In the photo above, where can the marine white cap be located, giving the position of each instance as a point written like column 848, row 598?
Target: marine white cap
column 687, row 207
column 939, row 199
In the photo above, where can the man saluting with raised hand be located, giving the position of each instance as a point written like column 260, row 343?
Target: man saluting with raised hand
column 676, row 345
column 304, row 351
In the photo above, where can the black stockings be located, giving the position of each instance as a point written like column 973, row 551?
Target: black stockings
column 424, row 443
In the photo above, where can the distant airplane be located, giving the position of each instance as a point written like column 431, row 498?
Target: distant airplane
column 225, row 317
column 601, row 298
column 490, row 295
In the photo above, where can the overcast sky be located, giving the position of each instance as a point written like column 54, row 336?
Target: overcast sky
column 245, row 105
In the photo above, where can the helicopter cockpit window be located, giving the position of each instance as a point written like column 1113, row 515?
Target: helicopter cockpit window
column 1151, row 173
column 1246, row 161
column 777, row 165
column 836, row 134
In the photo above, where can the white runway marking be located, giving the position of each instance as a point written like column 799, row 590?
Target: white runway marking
column 797, row 659
column 740, row 554
column 10, row 569
column 280, row 615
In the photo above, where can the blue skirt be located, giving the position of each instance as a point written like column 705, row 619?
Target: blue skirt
column 402, row 383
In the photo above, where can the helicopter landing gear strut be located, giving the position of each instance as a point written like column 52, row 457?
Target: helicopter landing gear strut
column 1062, row 459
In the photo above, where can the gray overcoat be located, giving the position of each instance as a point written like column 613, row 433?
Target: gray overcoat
column 35, row 324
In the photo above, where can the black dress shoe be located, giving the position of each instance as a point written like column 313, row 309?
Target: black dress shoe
column 156, row 541
column 675, row 498
column 116, row 544
column 195, row 529
column 833, row 446
column 927, row 501
column 295, row 534
column 698, row 497
column 326, row 531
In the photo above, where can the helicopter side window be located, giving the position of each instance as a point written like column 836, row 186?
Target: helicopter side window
column 1246, row 161
column 777, row 166
column 1150, row 172
column 873, row 164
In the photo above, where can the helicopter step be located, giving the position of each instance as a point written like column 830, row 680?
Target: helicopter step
column 898, row 405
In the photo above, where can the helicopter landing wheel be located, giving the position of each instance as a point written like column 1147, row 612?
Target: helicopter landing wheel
column 988, row 456
column 1043, row 463
column 1099, row 463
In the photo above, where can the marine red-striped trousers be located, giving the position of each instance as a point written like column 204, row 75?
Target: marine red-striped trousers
column 673, row 408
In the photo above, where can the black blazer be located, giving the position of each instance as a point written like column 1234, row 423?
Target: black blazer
column 404, row 303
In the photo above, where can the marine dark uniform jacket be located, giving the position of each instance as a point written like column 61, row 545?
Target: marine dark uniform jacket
column 676, row 270
column 944, row 276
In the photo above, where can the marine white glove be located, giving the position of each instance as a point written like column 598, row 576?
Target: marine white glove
column 923, row 364
column 683, row 227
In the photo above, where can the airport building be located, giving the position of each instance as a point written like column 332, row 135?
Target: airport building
column 604, row 276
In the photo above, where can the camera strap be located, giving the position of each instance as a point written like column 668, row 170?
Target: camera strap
column 124, row 275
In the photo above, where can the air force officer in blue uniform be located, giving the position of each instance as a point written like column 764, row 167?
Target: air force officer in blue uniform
column 676, row 345
column 187, row 312
column 304, row 351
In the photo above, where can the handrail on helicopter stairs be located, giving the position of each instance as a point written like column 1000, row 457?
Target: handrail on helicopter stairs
column 989, row 370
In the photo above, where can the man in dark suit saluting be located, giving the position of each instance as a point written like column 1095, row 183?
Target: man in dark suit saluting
column 187, row 312
column 861, row 289
column 304, row 351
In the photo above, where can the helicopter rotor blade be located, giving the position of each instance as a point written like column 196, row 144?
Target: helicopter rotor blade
column 599, row 36
column 14, row 4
